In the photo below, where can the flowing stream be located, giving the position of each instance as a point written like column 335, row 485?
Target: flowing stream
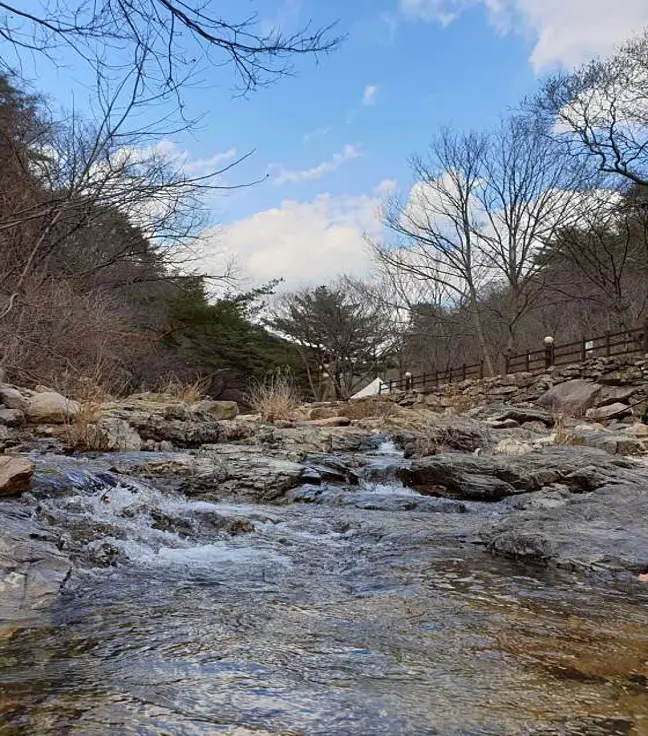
column 368, row 611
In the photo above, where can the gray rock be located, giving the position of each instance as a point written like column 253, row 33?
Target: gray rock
column 614, row 443
column 49, row 407
column 12, row 417
column 32, row 572
column 218, row 472
column 112, row 434
column 12, row 398
column 609, row 411
column 492, row 478
column 155, row 427
column 616, row 394
column 524, row 416
column 573, row 397
column 605, row 529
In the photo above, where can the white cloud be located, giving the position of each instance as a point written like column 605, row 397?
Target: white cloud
column 317, row 172
column 204, row 166
column 386, row 187
column 370, row 94
column 566, row 32
column 302, row 242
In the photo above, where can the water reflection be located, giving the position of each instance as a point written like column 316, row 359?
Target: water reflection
column 326, row 619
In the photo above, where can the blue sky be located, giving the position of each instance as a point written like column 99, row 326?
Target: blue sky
column 334, row 138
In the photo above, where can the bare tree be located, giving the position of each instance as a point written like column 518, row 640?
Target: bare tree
column 175, row 37
column 606, row 250
column 600, row 111
column 437, row 227
column 529, row 190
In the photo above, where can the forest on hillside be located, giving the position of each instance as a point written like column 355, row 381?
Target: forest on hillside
column 537, row 227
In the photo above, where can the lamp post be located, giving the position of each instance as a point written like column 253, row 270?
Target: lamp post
column 549, row 344
column 408, row 381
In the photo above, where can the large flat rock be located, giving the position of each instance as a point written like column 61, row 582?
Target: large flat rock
column 494, row 477
column 605, row 530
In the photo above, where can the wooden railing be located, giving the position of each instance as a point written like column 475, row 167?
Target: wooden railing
column 626, row 342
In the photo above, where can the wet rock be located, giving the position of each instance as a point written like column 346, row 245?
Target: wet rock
column 12, row 417
column 32, row 571
column 49, row 407
column 229, row 472
column 492, row 478
column 15, row 475
column 609, row 411
column 604, row 529
column 574, row 397
column 375, row 501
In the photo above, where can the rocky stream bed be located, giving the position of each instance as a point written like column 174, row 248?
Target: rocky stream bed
column 305, row 578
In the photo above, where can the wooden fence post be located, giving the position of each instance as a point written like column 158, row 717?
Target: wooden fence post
column 607, row 344
column 481, row 368
column 584, row 349
column 507, row 364
column 391, row 383
column 464, row 372
column 645, row 336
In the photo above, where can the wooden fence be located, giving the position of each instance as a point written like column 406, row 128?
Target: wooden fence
column 626, row 342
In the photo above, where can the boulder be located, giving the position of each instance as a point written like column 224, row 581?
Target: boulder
column 49, row 407
column 614, row 443
column 15, row 475
column 616, row 394
column 228, row 472
column 609, row 411
column 12, row 398
column 11, row 417
column 219, row 410
column 114, row 434
column 573, row 397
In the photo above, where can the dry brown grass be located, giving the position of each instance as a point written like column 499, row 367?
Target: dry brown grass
column 275, row 398
column 80, row 433
column 561, row 431
column 189, row 392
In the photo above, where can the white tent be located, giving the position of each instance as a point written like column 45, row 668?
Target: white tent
column 373, row 389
